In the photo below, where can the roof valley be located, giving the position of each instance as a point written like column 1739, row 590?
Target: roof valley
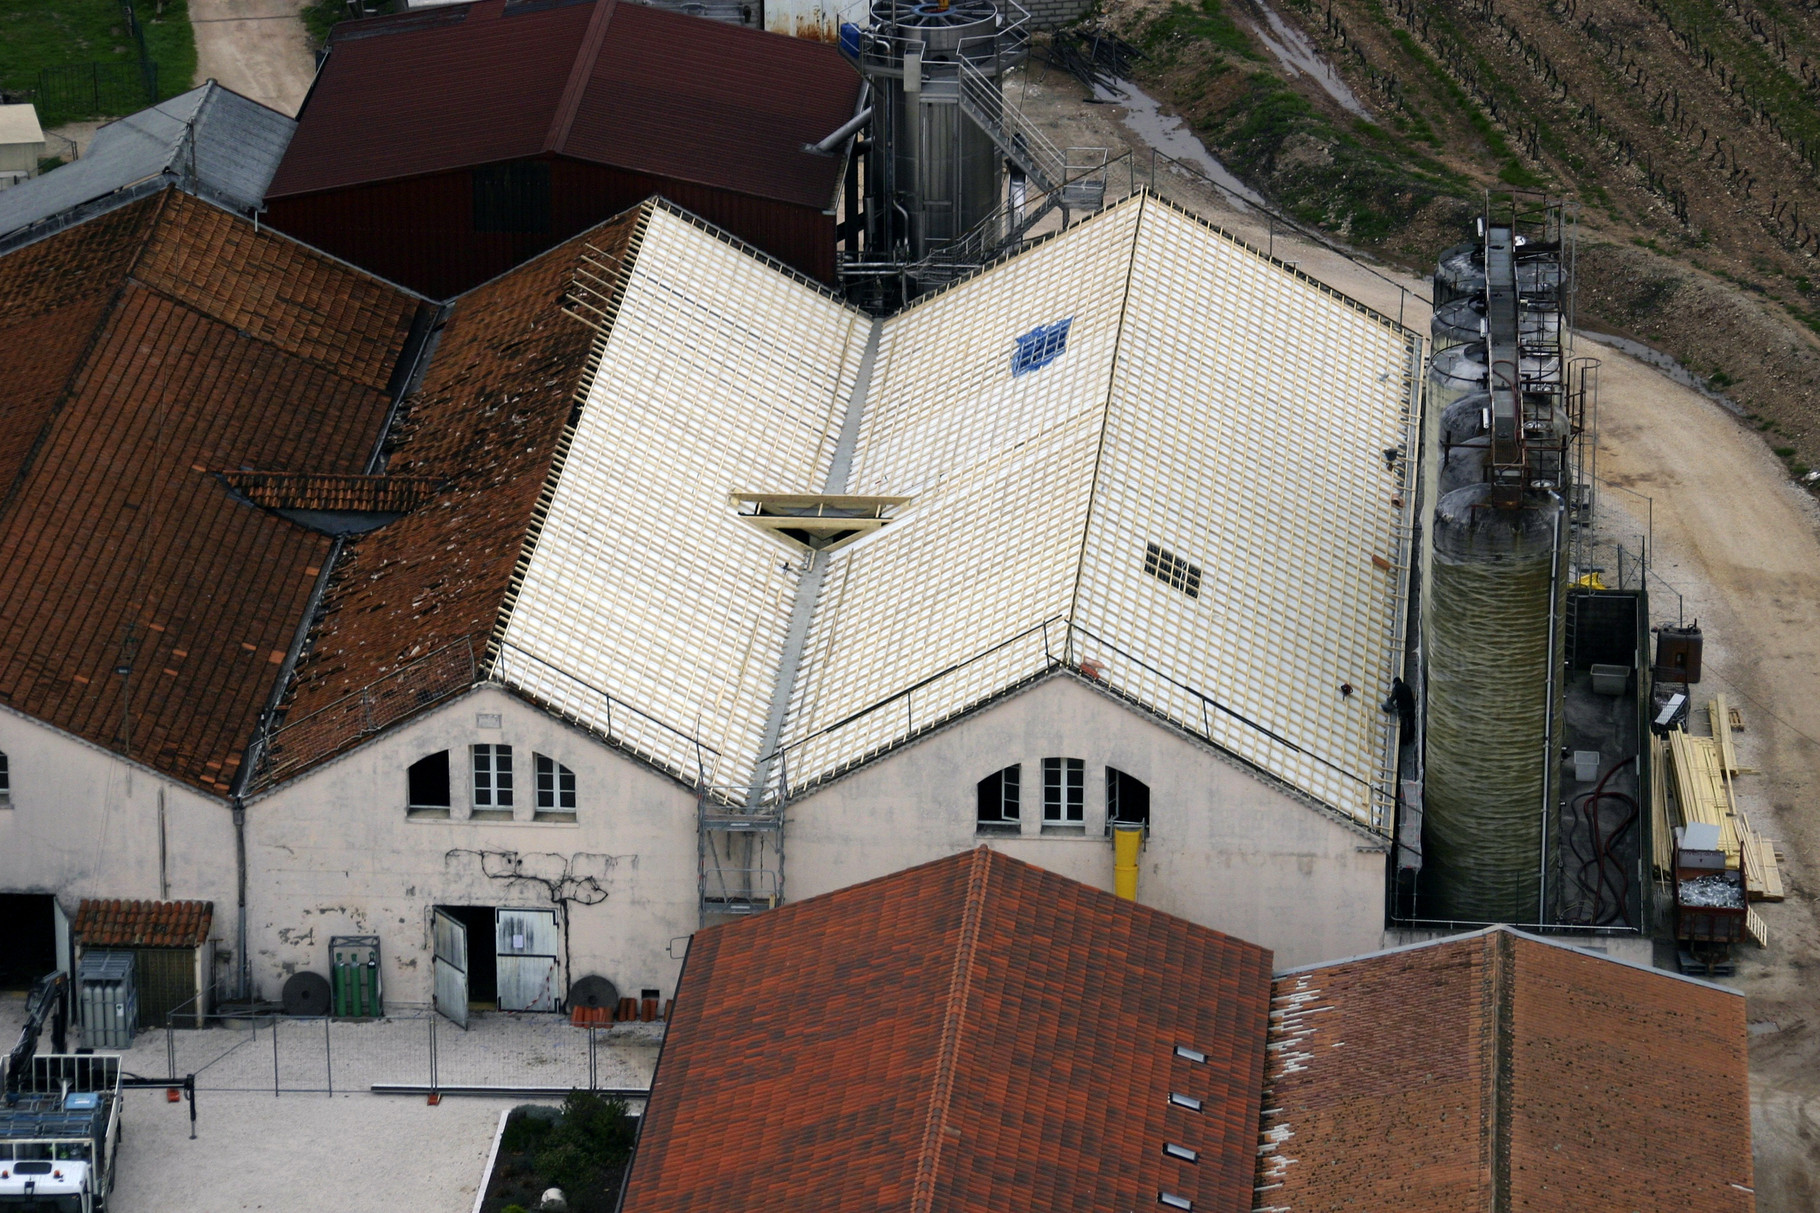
column 954, row 1011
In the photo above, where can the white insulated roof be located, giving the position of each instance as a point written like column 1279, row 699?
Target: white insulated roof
column 1208, row 402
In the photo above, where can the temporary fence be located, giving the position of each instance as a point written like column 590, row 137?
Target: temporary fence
column 409, row 1049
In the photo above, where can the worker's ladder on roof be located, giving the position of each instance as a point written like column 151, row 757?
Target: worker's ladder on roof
column 740, row 850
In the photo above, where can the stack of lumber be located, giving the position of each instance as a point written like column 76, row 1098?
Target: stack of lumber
column 1700, row 770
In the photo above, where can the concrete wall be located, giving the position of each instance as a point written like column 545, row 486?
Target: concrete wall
column 1225, row 848
column 84, row 822
column 335, row 853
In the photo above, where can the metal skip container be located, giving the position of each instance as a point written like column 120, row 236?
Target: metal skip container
column 107, row 999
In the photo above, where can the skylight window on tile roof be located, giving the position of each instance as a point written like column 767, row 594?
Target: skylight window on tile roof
column 1174, row 1201
column 1185, row 1101
column 1181, row 1152
column 1040, row 346
column 1187, row 1054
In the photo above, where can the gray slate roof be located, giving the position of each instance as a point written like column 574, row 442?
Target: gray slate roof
column 210, row 140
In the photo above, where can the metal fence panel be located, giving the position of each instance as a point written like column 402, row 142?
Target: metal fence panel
column 95, row 90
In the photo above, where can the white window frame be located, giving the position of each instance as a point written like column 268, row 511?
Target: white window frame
column 491, row 777
column 556, row 797
column 1064, row 793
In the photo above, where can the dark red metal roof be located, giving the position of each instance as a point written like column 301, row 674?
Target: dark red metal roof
column 612, row 83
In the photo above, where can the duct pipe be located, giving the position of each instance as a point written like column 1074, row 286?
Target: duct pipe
column 826, row 146
column 1127, row 837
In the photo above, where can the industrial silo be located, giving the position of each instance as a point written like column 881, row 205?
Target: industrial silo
column 932, row 64
column 1492, row 647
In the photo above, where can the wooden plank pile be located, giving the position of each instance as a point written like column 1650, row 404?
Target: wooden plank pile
column 1700, row 771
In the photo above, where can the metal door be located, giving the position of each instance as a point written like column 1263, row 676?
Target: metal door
column 166, row 981
column 527, row 946
column 450, row 939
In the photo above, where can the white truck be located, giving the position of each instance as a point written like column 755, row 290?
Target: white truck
column 59, row 1117
column 60, row 1135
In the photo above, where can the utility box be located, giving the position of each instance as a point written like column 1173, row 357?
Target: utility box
column 1678, row 653
column 354, row 977
column 1610, row 679
column 107, row 1000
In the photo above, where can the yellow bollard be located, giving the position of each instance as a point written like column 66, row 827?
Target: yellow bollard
column 1126, row 838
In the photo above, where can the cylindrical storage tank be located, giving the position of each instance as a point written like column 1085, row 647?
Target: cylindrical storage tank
column 1464, row 320
column 1489, row 660
column 1463, row 443
column 1460, row 273
column 1460, row 369
column 948, row 172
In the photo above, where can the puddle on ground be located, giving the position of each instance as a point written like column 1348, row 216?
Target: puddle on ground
column 1169, row 135
column 1298, row 57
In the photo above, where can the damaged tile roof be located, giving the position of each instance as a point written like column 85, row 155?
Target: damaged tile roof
column 618, row 84
column 975, row 1033
column 147, row 609
column 1498, row 1070
column 143, row 924
column 487, row 422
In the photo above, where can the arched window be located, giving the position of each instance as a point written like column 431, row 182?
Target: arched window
column 998, row 801
column 1127, row 799
column 427, row 793
column 555, row 790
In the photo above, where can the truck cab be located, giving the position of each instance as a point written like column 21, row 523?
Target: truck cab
column 59, row 1135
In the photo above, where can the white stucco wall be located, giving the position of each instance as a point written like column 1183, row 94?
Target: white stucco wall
column 334, row 853
column 84, row 822
column 1225, row 849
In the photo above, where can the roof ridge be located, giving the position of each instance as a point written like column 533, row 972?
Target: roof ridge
column 579, row 74
column 960, row 984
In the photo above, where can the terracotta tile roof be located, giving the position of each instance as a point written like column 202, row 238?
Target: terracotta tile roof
column 187, row 342
column 331, row 492
column 143, row 924
column 1501, row 1071
column 612, row 83
column 487, row 423
column 972, row 1034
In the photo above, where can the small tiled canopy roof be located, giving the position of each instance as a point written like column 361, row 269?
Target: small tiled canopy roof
column 1501, row 1071
column 143, row 924
column 975, row 1034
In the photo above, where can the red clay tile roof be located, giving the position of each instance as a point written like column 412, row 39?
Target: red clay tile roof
column 487, row 422
column 172, row 339
column 331, row 492
column 1498, row 1071
column 143, row 924
column 972, row 1034
column 619, row 84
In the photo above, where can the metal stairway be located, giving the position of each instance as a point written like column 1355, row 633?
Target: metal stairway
column 1074, row 180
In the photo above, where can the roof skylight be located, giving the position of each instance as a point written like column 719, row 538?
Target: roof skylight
column 1185, row 1101
column 1040, row 346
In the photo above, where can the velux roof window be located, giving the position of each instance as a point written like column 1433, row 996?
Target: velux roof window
column 1040, row 346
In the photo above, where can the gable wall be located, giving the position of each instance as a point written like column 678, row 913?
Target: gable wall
column 1226, row 849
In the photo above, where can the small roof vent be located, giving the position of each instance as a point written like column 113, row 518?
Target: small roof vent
column 818, row 522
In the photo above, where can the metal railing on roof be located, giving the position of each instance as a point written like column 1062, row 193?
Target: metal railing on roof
column 683, row 754
column 1051, row 644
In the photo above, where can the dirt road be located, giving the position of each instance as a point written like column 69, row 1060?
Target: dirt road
column 255, row 47
column 1743, row 546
